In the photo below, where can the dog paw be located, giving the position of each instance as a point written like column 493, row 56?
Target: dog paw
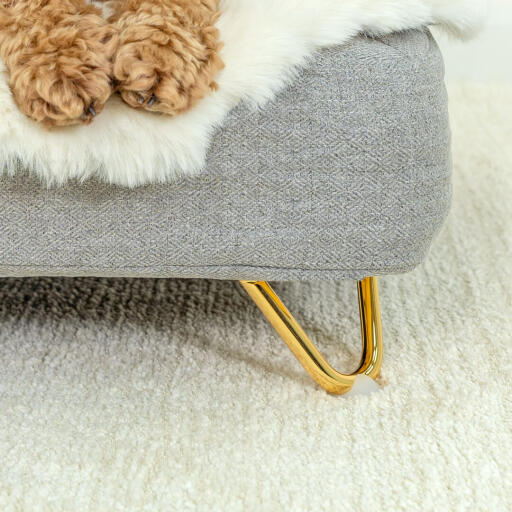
column 166, row 61
column 66, row 77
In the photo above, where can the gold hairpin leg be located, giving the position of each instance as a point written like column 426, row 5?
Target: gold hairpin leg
column 304, row 349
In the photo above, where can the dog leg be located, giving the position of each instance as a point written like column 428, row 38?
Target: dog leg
column 59, row 55
column 168, row 53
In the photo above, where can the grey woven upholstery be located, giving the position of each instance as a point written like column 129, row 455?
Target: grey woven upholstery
column 346, row 174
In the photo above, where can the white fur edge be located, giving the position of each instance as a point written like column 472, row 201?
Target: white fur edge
column 265, row 41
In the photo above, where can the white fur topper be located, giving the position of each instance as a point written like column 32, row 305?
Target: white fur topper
column 265, row 41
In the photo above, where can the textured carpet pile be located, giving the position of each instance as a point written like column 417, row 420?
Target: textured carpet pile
column 176, row 395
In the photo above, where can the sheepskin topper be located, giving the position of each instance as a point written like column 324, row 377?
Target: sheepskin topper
column 265, row 42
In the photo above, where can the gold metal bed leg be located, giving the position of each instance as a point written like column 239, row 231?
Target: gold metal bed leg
column 304, row 349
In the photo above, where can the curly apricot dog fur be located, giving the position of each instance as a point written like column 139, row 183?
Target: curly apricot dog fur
column 65, row 60
column 59, row 54
column 168, row 53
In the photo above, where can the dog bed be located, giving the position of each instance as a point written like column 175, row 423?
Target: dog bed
column 341, row 171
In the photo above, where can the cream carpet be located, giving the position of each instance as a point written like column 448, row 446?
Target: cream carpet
column 147, row 395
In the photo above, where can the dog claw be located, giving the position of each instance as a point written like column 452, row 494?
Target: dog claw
column 88, row 114
column 141, row 99
column 152, row 101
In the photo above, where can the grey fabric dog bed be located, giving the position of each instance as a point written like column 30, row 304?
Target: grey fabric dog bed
column 345, row 175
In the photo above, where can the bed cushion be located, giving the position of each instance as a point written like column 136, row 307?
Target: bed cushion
column 346, row 174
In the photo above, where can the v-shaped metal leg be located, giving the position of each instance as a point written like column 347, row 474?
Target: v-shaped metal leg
column 304, row 349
